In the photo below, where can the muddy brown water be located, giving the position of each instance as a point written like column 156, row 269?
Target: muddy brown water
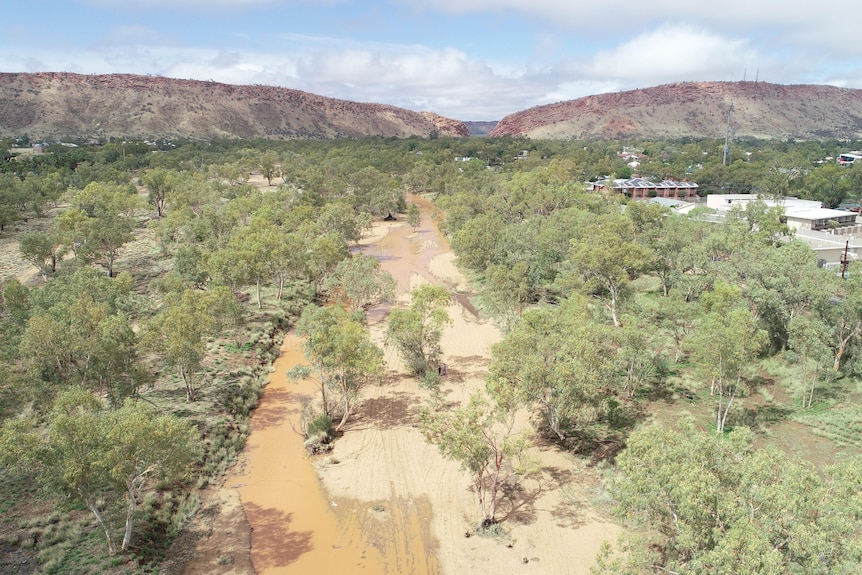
column 296, row 527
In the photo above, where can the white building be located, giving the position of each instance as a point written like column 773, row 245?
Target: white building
column 801, row 214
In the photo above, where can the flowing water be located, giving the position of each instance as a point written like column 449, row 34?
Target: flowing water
column 296, row 527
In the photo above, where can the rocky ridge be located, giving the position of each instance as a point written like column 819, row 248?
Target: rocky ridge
column 698, row 110
column 63, row 105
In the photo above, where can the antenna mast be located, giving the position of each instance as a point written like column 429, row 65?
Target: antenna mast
column 727, row 136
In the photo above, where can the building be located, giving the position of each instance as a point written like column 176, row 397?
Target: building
column 642, row 189
column 801, row 214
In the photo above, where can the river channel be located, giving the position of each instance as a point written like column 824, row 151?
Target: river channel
column 296, row 526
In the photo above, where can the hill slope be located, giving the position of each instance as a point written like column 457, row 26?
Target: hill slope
column 61, row 105
column 699, row 110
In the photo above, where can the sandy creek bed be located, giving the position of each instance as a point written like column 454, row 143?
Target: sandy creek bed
column 384, row 501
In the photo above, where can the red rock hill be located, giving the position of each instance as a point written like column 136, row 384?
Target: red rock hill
column 61, row 105
column 699, row 110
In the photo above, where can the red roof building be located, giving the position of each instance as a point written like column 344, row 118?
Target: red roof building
column 641, row 189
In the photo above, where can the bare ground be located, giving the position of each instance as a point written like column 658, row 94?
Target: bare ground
column 394, row 494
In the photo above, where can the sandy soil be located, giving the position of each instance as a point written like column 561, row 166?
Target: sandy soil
column 385, row 501
column 384, row 457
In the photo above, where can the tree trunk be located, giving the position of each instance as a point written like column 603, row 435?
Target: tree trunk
column 480, row 497
column 554, row 423
column 811, row 394
column 345, row 415
column 842, row 346
column 613, row 291
column 190, row 388
column 259, row 303
column 722, row 415
column 112, row 548
column 130, row 513
column 495, row 487
column 322, row 378
column 280, row 287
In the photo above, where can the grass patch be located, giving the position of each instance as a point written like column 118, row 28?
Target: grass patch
column 842, row 425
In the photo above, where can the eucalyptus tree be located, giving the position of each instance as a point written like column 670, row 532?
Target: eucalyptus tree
column 843, row 314
column 98, row 224
column 42, row 249
column 557, row 361
column 783, row 282
column 179, row 332
column 726, row 339
column 160, row 184
column 829, row 183
column 341, row 352
column 359, row 282
column 716, row 504
column 78, row 333
column 268, row 165
column 810, row 338
column 481, row 437
column 602, row 260
column 414, row 219
column 416, row 332
column 103, row 458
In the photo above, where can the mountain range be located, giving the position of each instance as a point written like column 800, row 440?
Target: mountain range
column 74, row 106
column 57, row 106
column 698, row 110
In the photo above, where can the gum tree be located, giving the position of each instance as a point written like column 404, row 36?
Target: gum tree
column 716, row 504
column 102, row 457
column 480, row 436
column 416, row 332
column 341, row 352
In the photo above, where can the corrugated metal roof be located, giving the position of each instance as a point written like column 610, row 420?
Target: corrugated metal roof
column 643, row 183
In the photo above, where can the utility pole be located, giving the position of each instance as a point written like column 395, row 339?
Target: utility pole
column 845, row 260
column 727, row 136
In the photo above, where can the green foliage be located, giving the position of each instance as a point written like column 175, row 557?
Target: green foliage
column 98, row 224
column 413, row 216
column 73, row 336
column 358, row 282
column 416, row 332
column 160, row 184
column 101, row 456
column 726, row 340
column 718, row 505
column 604, row 258
column 557, row 361
column 322, row 424
column 340, row 350
column 480, row 437
column 179, row 332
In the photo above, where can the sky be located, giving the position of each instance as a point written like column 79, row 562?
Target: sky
column 464, row 59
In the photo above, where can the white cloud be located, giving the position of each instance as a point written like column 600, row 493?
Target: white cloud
column 827, row 25
column 670, row 53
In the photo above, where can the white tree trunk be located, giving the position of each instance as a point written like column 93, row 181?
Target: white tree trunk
column 112, row 548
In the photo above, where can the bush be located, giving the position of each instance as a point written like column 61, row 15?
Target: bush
column 320, row 425
column 431, row 380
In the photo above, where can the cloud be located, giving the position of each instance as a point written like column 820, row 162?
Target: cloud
column 800, row 22
column 561, row 50
column 669, row 53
